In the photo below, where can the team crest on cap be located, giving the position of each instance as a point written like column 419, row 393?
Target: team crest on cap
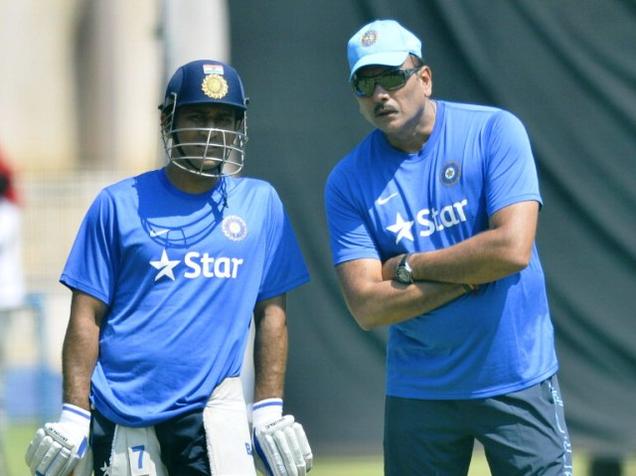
column 369, row 37
column 214, row 86
column 450, row 174
column 234, row 227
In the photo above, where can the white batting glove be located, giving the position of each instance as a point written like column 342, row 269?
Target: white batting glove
column 58, row 447
column 282, row 448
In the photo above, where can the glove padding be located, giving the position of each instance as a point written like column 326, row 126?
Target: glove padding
column 58, row 447
column 282, row 448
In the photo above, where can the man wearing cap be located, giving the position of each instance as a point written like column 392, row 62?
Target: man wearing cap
column 432, row 220
column 166, row 271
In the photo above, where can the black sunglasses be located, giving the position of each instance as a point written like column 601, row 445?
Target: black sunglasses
column 390, row 80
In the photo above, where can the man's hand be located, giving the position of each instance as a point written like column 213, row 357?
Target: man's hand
column 282, row 448
column 388, row 267
column 58, row 447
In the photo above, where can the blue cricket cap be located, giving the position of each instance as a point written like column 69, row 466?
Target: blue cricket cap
column 206, row 82
column 382, row 42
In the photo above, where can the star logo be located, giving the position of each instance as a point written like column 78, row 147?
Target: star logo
column 165, row 266
column 402, row 228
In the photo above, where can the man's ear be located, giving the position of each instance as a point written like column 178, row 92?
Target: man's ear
column 426, row 75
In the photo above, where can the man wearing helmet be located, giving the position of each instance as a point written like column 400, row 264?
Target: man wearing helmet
column 167, row 269
column 190, row 144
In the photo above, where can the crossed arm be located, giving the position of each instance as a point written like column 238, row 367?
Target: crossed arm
column 375, row 299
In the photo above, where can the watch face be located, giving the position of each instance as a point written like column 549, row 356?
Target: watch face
column 403, row 275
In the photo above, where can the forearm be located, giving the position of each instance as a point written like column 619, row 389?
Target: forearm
column 375, row 302
column 505, row 248
column 484, row 258
column 270, row 350
column 79, row 356
column 80, row 349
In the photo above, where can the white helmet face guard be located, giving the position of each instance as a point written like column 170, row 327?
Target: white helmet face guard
column 218, row 152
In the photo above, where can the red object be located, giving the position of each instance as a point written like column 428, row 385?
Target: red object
column 6, row 172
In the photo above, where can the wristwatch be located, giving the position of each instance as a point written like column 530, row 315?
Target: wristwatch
column 403, row 271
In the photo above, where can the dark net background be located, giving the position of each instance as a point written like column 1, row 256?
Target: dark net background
column 567, row 68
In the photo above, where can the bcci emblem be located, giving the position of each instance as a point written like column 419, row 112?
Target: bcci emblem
column 234, row 227
column 450, row 174
column 369, row 37
column 214, row 86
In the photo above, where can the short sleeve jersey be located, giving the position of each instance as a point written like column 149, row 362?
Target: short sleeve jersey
column 180, row 274
column 381, row 202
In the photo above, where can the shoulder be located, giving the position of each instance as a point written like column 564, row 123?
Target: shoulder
column 250, row 184
column 122, row 192
column 489, row 119
column 130, row 183
column 357, row 158
column 254, row 190
column 476, row 112
column 137, row 184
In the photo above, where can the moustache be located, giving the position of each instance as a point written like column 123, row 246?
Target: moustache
column 382, row 109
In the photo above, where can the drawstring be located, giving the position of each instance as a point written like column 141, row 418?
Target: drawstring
column 223, row 191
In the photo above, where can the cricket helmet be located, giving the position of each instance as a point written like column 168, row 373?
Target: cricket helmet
column 205, row 82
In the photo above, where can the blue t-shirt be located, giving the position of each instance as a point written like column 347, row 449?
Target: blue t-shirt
column 381, row 202
column 180, row 274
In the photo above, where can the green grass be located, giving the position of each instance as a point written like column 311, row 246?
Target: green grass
column 16, row 441
column 372, row 466
column 18, row 438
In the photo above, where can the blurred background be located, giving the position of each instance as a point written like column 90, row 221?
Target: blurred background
column 81, row 81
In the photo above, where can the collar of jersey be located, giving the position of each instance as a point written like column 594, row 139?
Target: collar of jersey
column 204, row 196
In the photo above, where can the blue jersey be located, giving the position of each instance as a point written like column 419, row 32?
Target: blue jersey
column 381, row 202
column 180, row 274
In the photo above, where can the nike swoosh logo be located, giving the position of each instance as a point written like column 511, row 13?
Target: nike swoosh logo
column 383, row 200
column 154, row 233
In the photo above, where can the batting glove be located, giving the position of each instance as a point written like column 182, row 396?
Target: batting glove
column 58, row 447
column 282, row 448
